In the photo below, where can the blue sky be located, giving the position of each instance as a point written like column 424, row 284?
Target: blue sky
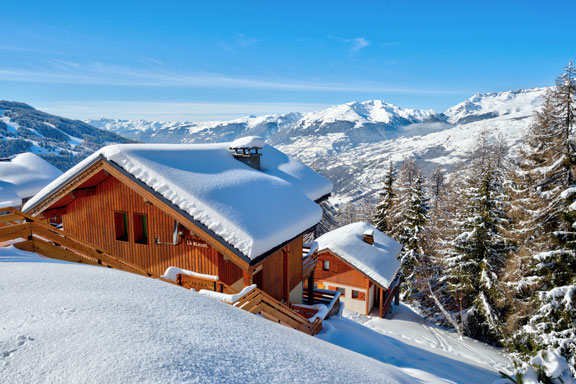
column 175, row 60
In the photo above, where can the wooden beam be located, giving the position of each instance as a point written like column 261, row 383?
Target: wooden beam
column 12, row 232
column 82, row 192
column 310, row 288
column 381, row 311
column 69, row 187
column 247, row 278
column 54, row 212
column 285, row 288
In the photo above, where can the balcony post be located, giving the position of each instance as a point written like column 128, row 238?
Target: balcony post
column 310, row 300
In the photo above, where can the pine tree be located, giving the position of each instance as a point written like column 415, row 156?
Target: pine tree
column 387, row 197
column 480, row 251
column 553, row 325
column 552, row 154
column 411, row 229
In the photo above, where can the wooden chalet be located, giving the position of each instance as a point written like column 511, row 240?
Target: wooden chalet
column 362, row 264
column 233, row 214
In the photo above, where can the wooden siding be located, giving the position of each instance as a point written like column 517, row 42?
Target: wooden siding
column 272, row 276
column 91, row 218
column 340, row 272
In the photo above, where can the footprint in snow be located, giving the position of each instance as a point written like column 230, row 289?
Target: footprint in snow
column 8, row 350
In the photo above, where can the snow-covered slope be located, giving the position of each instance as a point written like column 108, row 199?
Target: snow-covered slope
column 350, row 143
column 430, row 353
column 72, row 323
column 517, row 103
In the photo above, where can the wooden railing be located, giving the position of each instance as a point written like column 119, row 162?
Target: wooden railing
column 309, row 260
column 329, row 298
column 198, row 283
column 39, row 237
column 258, row 302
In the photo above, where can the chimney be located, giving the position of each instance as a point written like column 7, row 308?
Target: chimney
column 369, row 236
column 247, row 150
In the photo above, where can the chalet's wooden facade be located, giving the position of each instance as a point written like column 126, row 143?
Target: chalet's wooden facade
column 105, row 207
column 358, row 291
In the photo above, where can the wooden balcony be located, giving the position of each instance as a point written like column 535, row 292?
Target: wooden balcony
column 331, row 299
column 309, row 259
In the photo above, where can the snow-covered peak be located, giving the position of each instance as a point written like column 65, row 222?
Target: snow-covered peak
column 370, row 111
column 519, row 103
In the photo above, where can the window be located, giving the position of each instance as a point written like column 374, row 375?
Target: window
column 121, row 226
column 358, row 295
column 342, row 291
column 140, row 229
column 326, row 265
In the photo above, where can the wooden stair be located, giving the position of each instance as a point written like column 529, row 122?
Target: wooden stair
column 256, row 301
column 260, row 303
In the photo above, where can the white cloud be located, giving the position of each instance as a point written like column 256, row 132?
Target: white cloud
column 354, row 45
column 359, row 43
column 108, row 75
column 168, row 111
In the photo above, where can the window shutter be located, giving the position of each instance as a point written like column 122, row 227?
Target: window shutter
column 361, row 296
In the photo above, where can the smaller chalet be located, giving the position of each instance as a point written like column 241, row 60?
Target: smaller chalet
column 22, row 176
column 362, row 263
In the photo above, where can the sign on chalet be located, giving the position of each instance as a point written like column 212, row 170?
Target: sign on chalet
column 235, row 211
column 362, row 263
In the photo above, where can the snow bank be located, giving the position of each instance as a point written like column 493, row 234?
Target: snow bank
column 72, row 323
column 379, row 261
column 22, row 176
column 173, row 272
column 225, row 297
column 252, row 210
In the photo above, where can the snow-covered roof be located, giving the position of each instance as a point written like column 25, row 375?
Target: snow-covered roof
column 84, row 324
column 248, row 142
column 379, row 261
column 22, row 176
column 252, row 210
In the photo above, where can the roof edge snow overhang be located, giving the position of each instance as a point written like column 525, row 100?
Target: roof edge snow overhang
column 327, row 249
column 250, row 262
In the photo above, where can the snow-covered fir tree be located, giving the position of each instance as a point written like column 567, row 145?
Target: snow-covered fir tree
column 552, row 154
column 480, row 251
column 387, row 198
column 410, row 230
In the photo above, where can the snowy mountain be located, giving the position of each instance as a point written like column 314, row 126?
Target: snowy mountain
column 190, row 132
column 62, row 142
column 350, row 143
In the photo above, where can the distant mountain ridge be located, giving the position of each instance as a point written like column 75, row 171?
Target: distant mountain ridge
column 62, row 142
column 350, row 143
